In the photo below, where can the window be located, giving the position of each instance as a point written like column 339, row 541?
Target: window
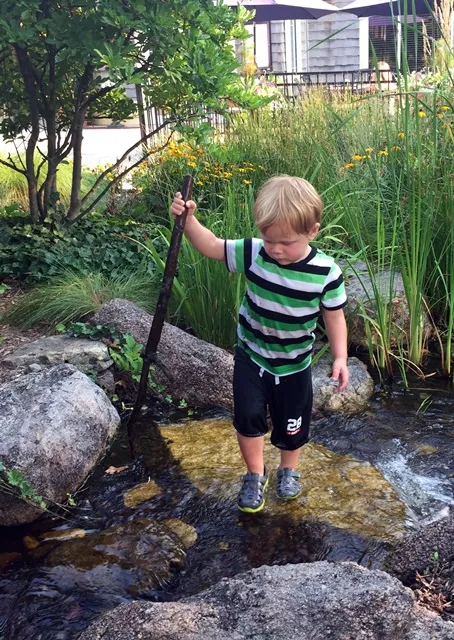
column 384, row 35
column 261, row 42
column 295, row 53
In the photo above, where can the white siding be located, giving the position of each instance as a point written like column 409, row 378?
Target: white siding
column 341, row 51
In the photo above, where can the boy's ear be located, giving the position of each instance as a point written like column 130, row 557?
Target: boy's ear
column 313, row 232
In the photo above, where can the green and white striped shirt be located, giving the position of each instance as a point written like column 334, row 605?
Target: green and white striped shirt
column 279, row 311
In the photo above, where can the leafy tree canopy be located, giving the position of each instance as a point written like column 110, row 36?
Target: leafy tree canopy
column 62, row 61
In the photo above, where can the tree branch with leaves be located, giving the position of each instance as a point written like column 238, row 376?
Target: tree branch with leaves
column 62, row 63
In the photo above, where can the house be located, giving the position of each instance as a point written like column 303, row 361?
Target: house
column 338, row 45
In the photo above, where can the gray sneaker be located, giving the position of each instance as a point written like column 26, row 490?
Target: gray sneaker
column 288, row 486
column 251, row 497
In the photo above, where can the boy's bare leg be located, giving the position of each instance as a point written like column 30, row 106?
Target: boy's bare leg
column 289, row 459
column 252, row 452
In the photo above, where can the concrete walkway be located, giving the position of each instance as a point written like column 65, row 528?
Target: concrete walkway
column 101, row 145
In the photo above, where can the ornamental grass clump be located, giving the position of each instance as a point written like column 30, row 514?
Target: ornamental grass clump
column 71, row 296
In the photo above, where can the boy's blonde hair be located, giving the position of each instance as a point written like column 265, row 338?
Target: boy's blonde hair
column 289, row 200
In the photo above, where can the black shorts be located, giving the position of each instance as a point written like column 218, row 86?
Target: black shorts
column 289, row 403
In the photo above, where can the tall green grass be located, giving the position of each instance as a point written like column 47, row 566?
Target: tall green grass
column 14, row 190
column 71, row 296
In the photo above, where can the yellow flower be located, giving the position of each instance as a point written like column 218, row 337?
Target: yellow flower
column 445, row 108
column 421, row 113
column 440, row 115
column 199, row 182
column 192, row 164
column 369, row 150
column 383, row 152
column 357, row 157
column 349, row 165
column 395, row 147
column 247, row 181
column 240, row 170
column 401, row 135
column 228, row 174
column 262, row 168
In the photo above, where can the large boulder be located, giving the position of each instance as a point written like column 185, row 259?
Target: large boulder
column 202, row 373
column 86, row 355
column 416, row 550
column 361, row 294
column 54, row 425
column 193, row 369
column 307, row 601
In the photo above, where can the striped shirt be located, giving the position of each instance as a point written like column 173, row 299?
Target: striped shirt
column 279, row 311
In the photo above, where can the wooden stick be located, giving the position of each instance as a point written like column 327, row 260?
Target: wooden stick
column 149, row 356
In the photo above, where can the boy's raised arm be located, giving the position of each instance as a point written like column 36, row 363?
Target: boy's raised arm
column 199, row 236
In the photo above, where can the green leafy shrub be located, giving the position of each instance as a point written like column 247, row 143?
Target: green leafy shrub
column 69, row 296
column 95, row 244
column 128, row 356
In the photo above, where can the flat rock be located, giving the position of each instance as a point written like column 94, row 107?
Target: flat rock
column 86, row 355
column 202, row 373
column 140, row 493
column 337, row 489
column 55, row 425
column 341, row 601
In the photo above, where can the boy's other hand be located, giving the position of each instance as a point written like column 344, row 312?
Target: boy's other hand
column 177, row 206
column 340, row 373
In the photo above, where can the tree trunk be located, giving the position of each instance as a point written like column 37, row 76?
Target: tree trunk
column 75, row 203
column 35, row 212
column 50, row 184
column 30, row 88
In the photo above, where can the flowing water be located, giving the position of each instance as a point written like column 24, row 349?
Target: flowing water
column 367, row 479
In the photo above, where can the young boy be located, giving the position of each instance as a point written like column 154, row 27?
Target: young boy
column 289, row 284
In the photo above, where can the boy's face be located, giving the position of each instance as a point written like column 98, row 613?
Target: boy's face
column 285, row 245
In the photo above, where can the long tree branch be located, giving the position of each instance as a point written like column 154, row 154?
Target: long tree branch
column 13, row 166
column 117, row 178
column 68, row 143
column 80, row 91
column 125, row 155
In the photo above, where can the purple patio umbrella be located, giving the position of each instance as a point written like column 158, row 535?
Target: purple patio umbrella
column 266, row 10
column 368, row 8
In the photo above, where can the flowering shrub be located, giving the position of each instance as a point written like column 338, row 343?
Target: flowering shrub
column 212, row 169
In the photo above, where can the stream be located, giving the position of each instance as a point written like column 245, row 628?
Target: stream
column 368, row 478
